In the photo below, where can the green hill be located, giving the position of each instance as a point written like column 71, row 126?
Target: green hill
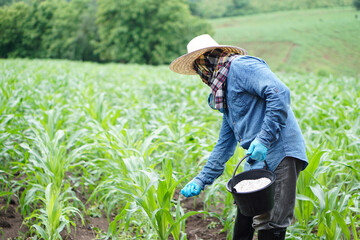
column 324, row 41
column 227, row 8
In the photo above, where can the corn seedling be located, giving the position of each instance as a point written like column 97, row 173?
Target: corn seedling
column 55, row 215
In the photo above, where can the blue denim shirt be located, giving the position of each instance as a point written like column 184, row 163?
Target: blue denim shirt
column 258, row 106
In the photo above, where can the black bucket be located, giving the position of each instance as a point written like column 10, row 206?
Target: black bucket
column 255, row 202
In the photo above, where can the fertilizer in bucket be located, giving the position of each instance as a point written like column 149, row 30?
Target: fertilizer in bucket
column 255, row 194
column 252, row 185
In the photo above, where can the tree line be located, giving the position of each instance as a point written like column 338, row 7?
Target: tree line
column 127, row 31
column 228, row 8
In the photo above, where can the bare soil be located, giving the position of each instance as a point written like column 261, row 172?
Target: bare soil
column 197, row 226
column 10, row 220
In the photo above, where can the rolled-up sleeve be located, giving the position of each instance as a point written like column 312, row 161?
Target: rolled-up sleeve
column 221, row 153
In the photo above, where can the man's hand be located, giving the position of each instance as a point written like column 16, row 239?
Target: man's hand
column 257, row 150
column 191, row 189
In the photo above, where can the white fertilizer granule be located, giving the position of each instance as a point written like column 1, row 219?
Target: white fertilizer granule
column 252, row 185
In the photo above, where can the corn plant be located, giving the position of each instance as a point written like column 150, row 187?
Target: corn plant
column 133, row 185
column 112, row 130
column 51, row 153
column 10, row 133
column 5, row 185
column 152, row 195
column 323, row 201
column 55, row 215
column 304, row 204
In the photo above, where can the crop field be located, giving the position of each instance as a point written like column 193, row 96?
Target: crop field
column 84, row 142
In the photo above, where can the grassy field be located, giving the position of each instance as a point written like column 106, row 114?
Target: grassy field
column 323, row 41
column 79, row 140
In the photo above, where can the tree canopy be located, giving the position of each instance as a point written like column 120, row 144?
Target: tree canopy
column 128, row 31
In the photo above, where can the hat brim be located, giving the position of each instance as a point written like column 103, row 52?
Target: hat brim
column 185, row 63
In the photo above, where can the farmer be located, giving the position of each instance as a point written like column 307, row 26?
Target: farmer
column 256, row 113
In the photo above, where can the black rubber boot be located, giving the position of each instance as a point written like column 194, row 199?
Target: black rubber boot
column 243, row 229
column 272, row 234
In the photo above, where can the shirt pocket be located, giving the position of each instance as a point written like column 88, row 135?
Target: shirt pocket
column 240, row 102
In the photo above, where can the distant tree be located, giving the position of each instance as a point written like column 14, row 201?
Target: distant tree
column 239, row 7
column 226, row 8
column 38, row 22
column 211, row 8
column 145, row 31
column 194, row 7
column 22, row 27
column 5, row 2
column 357, row 4
column 73, row 31
column 134, row 31
column 12, row 21
column 241, row 3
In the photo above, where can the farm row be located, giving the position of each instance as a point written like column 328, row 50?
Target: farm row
column 126, row 138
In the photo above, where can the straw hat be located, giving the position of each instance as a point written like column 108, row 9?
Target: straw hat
column 196, row 47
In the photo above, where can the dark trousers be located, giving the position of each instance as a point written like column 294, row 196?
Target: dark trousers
column 284, row 203
column 243, row 229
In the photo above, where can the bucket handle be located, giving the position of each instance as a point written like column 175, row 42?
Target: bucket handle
column 232, row 179
column 241, row 160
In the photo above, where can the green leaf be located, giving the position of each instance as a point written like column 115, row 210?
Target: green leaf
column 340, row 220
column 5, row 194
column 41, row 231
column 304, row 198
column 319, row 193
column 188, row 214
column 25, row 145
column 315, row 159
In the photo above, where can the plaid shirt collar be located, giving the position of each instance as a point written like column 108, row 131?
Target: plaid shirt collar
column 213, row 68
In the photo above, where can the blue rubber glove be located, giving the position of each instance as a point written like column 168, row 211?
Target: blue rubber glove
column 257, row 150
column 191, row 189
